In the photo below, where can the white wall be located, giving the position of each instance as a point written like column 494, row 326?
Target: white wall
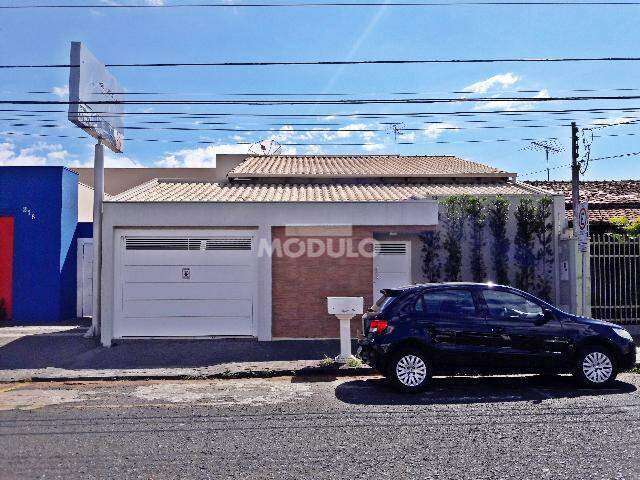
column 259, row 215
column 85, row 203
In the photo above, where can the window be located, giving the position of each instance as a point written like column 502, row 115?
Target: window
column 508, row 305
column 455, row 303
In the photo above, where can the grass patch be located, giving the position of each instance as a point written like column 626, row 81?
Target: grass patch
column 354, row 362
column 635, row 369
column 327, row 361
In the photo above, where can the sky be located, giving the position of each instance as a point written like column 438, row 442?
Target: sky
column 237, row 34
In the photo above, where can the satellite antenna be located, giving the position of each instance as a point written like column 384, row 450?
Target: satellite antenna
column 550, row 145
column 265, row 147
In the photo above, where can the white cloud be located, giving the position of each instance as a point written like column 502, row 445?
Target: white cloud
column 314, row 150
column 511, row 106
column 37, row 154
column 111, row 160
column 502, row 81
column 434, row 130
column 199, row 157
column 370, row 147
column 61, row 92
column 614, row 121
column 407, row 137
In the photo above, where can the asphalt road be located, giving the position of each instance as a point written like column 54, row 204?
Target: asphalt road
column 317, row 428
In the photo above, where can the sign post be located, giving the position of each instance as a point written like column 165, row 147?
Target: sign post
column 345, row 308
column 583, row 246
column 95, row 105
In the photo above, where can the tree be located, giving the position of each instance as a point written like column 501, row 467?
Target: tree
column 544, row 256
column 454, row 217
column 477, row 219
column 431, row 266
column 497, row 218
column 524, row 242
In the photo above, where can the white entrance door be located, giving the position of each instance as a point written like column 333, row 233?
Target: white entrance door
column 186, row 285
column 391, row 265
column 85, row 277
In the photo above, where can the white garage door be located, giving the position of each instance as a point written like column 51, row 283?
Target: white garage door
column 185, row 286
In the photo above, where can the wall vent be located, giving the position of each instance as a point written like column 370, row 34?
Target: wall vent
column 176, row 243
column 390, row 248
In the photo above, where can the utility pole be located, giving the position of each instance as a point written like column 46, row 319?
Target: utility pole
column 575, row 177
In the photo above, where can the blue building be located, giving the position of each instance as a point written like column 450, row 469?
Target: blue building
column 43, row 202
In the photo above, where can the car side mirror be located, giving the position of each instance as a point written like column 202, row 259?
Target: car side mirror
column 544, row 317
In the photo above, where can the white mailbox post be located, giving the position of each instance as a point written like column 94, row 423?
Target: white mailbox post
column 345, row 308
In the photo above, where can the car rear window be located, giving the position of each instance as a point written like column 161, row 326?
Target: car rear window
column 382, row 302
column 458, row 302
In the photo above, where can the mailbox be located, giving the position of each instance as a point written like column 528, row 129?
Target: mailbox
column 345, row 306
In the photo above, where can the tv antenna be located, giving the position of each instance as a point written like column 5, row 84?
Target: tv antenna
column 395, row 129
column 551, row 145
column 265, row 147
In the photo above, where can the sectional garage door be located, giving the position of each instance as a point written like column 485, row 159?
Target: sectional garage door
column 186, row 285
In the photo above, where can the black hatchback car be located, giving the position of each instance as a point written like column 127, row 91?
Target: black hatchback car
column 414, row 332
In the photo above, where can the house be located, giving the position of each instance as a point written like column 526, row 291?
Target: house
column 39, row 229
column 46, row 230
column 608, row 199
column 257, row 253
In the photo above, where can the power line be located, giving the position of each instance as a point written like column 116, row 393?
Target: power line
column 363, row 101
column 327, row 4
column 338, row 62
column 566, row 165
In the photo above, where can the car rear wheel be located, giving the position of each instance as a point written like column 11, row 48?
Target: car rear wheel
column 410, row 371
column 596, row 367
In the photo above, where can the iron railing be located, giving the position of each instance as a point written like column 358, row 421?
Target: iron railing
column 615, row 286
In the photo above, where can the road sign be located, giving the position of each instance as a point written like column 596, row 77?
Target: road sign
column 89, row 84
column 583, row 226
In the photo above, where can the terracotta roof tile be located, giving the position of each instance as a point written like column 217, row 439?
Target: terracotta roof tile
column 607, row 198
column 186, row 191
column 365, row 166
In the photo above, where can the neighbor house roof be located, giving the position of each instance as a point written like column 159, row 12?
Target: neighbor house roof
column 187, row 191
column 362, row 166
column 607, row 198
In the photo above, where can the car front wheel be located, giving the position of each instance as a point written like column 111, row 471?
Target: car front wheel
column 410, row 371
column 596, row 367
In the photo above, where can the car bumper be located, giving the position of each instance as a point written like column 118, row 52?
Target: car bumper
column 627, row 359
column 369, row 354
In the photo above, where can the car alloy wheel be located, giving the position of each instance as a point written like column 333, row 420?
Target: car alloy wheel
column 411, row 371
column 597, row 367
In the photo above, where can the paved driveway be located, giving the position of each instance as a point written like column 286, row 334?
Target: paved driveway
column 285, row 428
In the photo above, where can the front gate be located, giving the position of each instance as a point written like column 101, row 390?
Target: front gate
column 615, row 285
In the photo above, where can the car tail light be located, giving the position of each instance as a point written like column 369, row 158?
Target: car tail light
column 378, row 326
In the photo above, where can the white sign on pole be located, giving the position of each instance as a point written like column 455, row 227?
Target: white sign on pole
column 89, row 84
column 583, row 226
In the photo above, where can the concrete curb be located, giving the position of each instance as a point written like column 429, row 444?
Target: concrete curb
column 220, row 375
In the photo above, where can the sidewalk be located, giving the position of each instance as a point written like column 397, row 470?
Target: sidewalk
column 62, row 353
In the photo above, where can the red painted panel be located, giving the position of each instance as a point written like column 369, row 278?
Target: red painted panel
column 6, row 262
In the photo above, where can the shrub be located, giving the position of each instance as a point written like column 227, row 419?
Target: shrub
column 524, row 242
column 431, row 266
column 454, row 217
column 497, row 218
column 477, row 218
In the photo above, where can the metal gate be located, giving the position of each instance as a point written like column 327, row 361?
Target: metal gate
column 615, row 286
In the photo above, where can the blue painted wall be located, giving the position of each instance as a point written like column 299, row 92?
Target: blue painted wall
column 44, row 203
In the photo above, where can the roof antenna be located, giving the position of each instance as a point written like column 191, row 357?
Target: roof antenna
column 265, row 147
column 550, row 145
